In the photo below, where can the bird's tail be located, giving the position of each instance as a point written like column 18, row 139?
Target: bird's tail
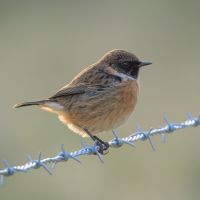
column 33, row 103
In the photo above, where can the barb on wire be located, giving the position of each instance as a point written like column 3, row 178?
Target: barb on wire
column 116, row 142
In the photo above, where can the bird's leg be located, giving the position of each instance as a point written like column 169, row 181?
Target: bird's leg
column 98, row 142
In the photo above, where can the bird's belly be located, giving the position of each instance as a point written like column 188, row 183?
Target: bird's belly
column 104, row 113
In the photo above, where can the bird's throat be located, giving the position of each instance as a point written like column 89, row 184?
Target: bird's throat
column 134, row 72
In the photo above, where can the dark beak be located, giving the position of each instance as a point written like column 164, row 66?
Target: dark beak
column 144, row 64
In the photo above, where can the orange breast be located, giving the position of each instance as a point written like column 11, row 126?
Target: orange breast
column 127, row 96
column 104, row 112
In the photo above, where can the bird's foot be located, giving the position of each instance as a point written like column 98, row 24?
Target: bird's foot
column 103, row 146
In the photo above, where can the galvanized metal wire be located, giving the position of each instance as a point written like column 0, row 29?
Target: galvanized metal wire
column 49, row 163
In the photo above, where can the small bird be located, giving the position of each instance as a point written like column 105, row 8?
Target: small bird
column 99, row 98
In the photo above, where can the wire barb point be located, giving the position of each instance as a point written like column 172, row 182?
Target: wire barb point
column 9, row 169
column 66, row 155
column 170, row 127
column 117, row 142
column 147, row 135
column 39, row 163
column 96, row 150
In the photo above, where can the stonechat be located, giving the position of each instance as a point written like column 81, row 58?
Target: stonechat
column 100, row 98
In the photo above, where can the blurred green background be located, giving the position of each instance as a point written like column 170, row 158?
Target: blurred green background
column 44, row 44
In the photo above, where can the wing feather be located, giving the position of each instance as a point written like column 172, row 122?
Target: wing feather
column 70, row 90
column 90, row 82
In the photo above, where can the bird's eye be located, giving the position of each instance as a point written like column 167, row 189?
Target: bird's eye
column 136, row 63
column 126, row 64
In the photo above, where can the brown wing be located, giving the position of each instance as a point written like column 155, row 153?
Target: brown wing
column 90, row 81
column 70, row 90
column 79, row 89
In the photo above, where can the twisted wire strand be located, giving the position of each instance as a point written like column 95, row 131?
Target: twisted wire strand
column 86, row 149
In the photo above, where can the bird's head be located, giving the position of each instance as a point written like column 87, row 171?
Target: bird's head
column 123, row 62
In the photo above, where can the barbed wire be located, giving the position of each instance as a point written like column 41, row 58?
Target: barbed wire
column 116, row 142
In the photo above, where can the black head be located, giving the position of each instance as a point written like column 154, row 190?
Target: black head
column 124, row 62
